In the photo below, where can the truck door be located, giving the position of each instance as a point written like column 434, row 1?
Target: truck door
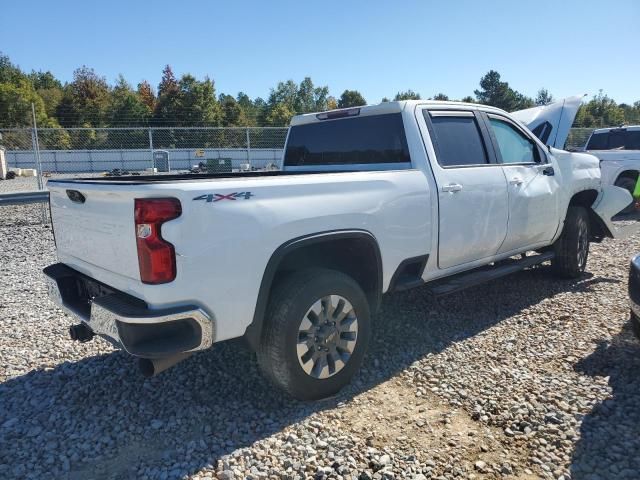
column 532, row 184
column 472, row 188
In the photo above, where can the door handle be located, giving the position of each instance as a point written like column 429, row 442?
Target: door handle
column 452, row 188
column 516, row 181
column 549, row 172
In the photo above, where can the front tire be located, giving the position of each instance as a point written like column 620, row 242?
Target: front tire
column 315, row 334
column 572, row 248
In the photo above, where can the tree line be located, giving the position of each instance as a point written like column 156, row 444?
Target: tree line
column 90, row 101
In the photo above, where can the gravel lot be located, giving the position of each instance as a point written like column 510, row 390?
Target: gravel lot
column 525, row 377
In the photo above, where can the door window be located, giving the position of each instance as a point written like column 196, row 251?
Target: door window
column 617, row 139
column 633, row 140
column 457, row 139
column 514, row 146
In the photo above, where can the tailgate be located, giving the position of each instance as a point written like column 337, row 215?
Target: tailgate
column 95, row 228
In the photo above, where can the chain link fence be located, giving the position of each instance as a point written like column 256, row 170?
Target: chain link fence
column 101, row 151
column 578, row 137
column 131, row 150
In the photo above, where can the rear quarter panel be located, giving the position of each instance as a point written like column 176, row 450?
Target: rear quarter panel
column 223, row 247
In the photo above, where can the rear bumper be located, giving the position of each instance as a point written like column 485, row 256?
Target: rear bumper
column 128, row 321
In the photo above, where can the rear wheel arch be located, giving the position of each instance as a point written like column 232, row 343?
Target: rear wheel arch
column 353, row 252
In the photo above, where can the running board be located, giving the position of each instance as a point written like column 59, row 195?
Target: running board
column 464, row 280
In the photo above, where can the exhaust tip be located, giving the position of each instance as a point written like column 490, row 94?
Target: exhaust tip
column 151, row 367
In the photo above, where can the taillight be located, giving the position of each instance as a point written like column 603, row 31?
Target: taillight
column 156, row 256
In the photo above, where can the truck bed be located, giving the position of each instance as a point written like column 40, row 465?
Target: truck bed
column 144, row 179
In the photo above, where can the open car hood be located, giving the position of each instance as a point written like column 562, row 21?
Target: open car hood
column 551, row 123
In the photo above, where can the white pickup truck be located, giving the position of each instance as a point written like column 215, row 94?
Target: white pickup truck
column 618, row 150
column 370, row 200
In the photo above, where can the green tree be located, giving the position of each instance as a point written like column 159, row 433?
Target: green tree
column 468, row 99
column 408, row 95
column 351, row 98
column 232, row 113
column 279, row 116
column 44, row 80
column 197, row 102
column 310, row 98
column 126, row 107
column 631, row 113
column 600, row 111
column 10, row 73
column 497, row 93
column 285, row 93
column 15, row 105
column 543, row 97
column 441, row 97
column 85, row 100
column 251, row 109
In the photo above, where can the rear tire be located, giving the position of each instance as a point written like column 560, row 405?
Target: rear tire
column 572, row 248
column 315, row 333
column 628, row 184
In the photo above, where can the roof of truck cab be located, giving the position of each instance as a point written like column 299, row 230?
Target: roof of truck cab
column 390, row 107
column 632, row 128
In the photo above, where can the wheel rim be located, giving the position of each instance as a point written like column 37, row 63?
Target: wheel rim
column 327, row 336
column 583, row 244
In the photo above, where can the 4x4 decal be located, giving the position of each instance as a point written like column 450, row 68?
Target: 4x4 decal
column 216, row 197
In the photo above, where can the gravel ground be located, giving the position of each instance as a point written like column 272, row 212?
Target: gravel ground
column 19, row 184
column 525, row 377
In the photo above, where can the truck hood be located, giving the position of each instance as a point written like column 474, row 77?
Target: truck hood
column 551, row 123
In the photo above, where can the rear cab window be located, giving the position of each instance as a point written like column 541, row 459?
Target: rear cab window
column 370, row 142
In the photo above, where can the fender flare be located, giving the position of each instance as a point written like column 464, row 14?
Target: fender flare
column 253, row 332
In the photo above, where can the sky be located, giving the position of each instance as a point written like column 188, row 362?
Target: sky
column 570, row 47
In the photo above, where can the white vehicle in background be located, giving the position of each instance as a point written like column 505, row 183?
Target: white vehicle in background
column 371, row 200
column 619, row 152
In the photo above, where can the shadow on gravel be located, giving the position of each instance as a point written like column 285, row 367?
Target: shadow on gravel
column 609, row 447
column 116, row 424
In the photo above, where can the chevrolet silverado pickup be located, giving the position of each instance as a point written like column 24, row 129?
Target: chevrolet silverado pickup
column 370, row 200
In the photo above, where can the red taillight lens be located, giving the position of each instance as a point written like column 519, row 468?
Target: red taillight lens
column 156, row 257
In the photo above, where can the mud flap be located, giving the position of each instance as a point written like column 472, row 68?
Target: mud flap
column 610, row 202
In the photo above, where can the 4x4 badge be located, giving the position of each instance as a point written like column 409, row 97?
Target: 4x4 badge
column 216, row 197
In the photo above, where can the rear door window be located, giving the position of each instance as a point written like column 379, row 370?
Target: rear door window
column 633, row 140
column 457, row 138
column 598, row 141
column 366, row 140
column 617, row 139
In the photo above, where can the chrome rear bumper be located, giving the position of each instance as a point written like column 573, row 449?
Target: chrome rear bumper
column 127, row 321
